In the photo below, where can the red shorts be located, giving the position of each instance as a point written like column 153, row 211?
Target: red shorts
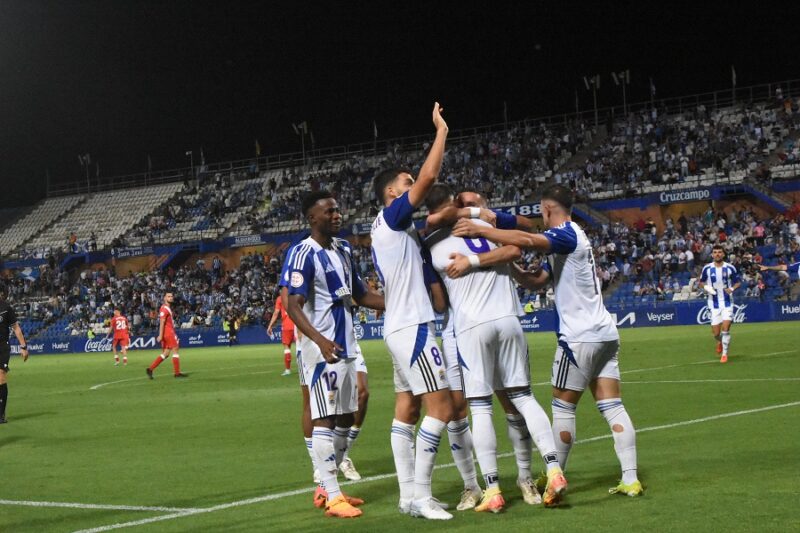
column 169, row 342
column 121, row 341
column 287, row 336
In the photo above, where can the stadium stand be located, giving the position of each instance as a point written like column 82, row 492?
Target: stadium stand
column 45, row 213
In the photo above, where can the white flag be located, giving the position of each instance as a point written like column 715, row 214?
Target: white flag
column 733, row 76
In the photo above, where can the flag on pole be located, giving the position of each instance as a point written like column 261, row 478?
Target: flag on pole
column 577, row 102
column 505, row 112
column 652, row 88
column 97, row 169
column 733, row 76
column 202, row 157
column 258, row 149
column 149, row 163
column 313, row 142
column 374, row 130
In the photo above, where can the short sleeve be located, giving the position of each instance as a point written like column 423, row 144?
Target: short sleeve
column 734, row 275
column 301, row 271
column 506, row 220
column 563, row 239
column 398, row 215
column 704, row 275
column 284, row 278
column 12, row 316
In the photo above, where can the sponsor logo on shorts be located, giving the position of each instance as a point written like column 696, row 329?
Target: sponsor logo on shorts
column 739, row 316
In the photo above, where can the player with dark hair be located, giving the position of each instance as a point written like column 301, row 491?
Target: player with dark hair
column 8, row 323
column 588, row 341
column 323, row 284
column 419, row 373
column 168, row 339
column 119, row 328
column 719, row 280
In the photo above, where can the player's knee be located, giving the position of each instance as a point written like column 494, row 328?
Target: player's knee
column 565, row 436
column 617, row 428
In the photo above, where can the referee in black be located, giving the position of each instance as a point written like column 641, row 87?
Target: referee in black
column 8, row 322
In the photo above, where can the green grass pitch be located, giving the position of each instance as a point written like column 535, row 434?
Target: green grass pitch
column 223, row 450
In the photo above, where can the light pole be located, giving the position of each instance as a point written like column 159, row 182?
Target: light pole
column 301, row 130
column 191, row 161
column 86, row 160
column 593, row 84
column 622, row 78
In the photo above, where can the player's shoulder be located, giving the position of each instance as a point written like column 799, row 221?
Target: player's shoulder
column 304, row 250
column 343, row 243
column 436, row 236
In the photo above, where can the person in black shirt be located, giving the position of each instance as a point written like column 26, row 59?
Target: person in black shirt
column 8, row 322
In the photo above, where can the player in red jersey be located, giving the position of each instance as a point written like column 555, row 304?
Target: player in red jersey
column 120, row 328
column 168, row 339
column 287, row 334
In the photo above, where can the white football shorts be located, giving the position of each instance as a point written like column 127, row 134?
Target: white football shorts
column 452, row 367
column 578, row 363
column 494, row 356
column 721, row 314
column 418, row 363
column 332, row 388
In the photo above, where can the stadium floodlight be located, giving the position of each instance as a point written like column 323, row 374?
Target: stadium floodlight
column 593, row 84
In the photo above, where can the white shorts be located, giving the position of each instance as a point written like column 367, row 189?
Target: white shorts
column 578, row 363
column 494, row 356
column 300, row 371
column 452, row 367
column 361, row 365
column 332, row 388
column 720, row 315
column 417, row 360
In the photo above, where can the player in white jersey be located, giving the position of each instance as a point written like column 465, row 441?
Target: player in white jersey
column 493, row 352
column 588, row 341
column 419, row 373
column 322, row 288
column 719, row 279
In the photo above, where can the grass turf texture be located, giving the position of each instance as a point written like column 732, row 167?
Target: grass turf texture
column 231, row 432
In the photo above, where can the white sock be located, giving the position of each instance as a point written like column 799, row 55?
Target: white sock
column 485, row 440
column 563, row 429
column 624, row 436
column 310, row 449
column 322, row 442
column 726, row 341
column 538, row 425
column 403, row 452
column 352, row 435
column 428, row 437
column 340, row 443
column 521, row 441
column 460, row 437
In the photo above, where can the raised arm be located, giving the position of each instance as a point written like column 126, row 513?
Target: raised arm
column 450, row 215
column 462, row 264
column 522, row 239
column 433, row 164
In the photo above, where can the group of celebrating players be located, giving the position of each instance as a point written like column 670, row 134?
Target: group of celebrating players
column 459, row 270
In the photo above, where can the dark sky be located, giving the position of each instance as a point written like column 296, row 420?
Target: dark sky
column 123, row 79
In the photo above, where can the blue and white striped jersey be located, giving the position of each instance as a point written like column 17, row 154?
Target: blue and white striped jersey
column 720, row 278
column 582, row 316
column 396, row 252
column 328, row 281
column 794, row 267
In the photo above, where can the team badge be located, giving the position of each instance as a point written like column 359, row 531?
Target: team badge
column 297, row 279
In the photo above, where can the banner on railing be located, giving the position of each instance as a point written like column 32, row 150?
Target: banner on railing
column 695, row 313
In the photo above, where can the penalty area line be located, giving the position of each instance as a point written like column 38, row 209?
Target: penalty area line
column 307, row 490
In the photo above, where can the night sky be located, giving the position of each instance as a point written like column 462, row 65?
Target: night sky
column 123, row 79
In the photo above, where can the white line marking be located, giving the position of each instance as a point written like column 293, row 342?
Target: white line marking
column 97, row 506
column 306, row 490
column 713, row 380
column 101, row 385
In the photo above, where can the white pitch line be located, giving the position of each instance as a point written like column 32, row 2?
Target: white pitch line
column 101, row 385
column 97, row 506
column 712, row 380
column 306, row 490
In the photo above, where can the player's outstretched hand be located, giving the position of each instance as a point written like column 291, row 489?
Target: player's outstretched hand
column 459, row 266
column 158, row 339
column 269, row 331
column 438, row 121
column 24, row 354
column 487, row 215
column 465, row 228
column 330, row 350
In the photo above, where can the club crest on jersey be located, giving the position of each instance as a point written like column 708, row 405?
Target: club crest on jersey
column 297, row 279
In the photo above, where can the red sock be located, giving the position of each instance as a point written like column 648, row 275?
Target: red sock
column 157, row 362
column 287, row 359
column 176, row 363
